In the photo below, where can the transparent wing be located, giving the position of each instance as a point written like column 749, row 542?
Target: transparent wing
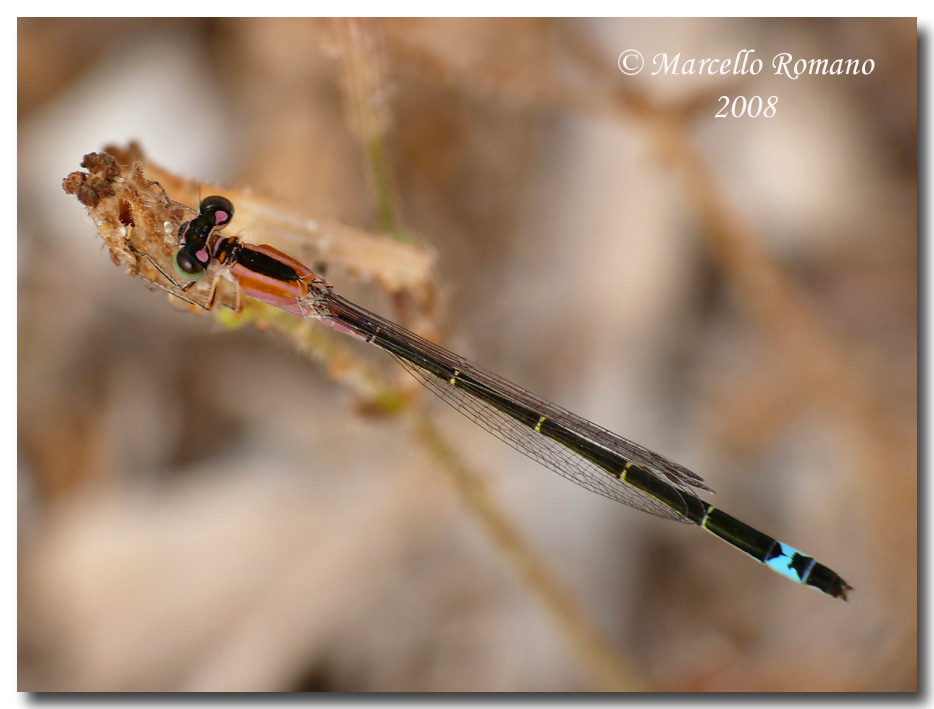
column 503, row 409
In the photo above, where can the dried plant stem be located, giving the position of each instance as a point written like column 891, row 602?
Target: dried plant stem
column 359, row 46
column 609, row 670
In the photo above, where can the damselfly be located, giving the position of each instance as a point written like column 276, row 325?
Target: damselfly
column 571, row 446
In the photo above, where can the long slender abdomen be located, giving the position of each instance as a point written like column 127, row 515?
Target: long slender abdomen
column 778, row 556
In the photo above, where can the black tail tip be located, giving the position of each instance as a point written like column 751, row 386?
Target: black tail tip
column 828, row 581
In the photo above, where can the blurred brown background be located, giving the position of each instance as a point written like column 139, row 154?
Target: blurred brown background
column 207, row 510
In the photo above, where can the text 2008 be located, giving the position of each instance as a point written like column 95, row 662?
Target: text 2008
column 752, row 107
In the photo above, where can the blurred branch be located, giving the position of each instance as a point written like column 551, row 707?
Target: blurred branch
column 365, row 82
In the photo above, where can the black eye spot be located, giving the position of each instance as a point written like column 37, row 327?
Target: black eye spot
column 187, row 266
column 220, row 208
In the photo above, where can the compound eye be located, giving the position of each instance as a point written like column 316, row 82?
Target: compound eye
column 220, row 208
column 187, row 266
